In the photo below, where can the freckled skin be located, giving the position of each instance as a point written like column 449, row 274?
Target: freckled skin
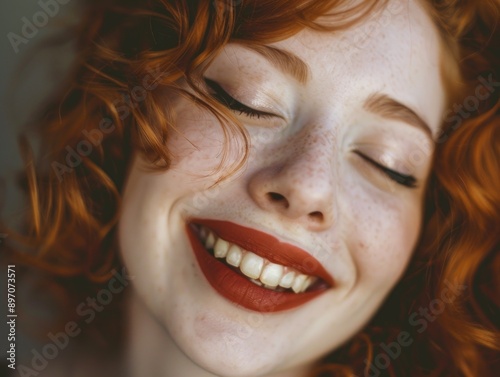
column 358, row 223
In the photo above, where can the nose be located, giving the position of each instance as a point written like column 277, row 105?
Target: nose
column 301, row 187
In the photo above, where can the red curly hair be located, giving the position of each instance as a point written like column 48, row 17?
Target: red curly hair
column 75, row 207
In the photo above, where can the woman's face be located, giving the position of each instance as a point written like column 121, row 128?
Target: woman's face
column 332, row 189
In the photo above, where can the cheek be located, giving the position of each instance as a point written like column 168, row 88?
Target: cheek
column 198, row 143
column 381, row 235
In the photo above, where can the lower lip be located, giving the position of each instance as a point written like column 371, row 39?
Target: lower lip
column 239, row 290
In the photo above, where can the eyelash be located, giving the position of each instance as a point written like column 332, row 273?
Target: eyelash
column 220, row 95
column 402, row 179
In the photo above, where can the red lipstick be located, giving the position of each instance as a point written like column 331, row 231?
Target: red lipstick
column 236, row 287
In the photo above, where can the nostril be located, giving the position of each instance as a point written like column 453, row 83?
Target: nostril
column 278, row 198
column 316, row 216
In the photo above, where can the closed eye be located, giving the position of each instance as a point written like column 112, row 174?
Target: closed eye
column 220, row 95
column 400, row 178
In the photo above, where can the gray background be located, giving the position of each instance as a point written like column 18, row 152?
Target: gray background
column 26, row 78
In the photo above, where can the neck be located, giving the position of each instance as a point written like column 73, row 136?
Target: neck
column 152, row 352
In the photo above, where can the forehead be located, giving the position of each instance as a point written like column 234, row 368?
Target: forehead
column 396, row 50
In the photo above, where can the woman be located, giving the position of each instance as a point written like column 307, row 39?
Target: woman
column 278, row 178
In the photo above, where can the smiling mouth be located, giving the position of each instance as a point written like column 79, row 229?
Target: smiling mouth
column 254, row 269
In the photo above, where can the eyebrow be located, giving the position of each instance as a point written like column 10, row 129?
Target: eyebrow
column 378, row 103
column 389, row 108
column 283, row 60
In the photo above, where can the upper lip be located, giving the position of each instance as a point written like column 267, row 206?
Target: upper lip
column 268, row 247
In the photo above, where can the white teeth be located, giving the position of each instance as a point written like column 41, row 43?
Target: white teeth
column 271, row 274
column 259, row 270
column 307, row 283
column 298, row 283
column 221, row 247
column 287, row 279
column 258, row 282
column 251, row 265
column 234, row 256
column 210, row 241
